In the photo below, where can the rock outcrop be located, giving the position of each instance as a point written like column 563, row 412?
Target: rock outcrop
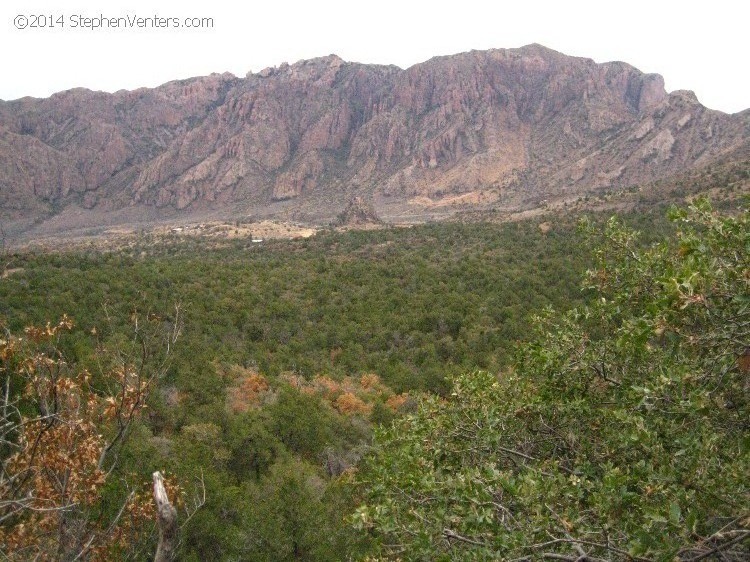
column 357, row 213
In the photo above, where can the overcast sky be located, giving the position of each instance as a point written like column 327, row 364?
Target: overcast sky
column 701, row 46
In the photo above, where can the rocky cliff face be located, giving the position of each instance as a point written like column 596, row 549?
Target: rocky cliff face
column 486, row 128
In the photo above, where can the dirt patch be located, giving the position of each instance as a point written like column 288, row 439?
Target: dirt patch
column 260, row 230
column 119, row 237
column 469, row 198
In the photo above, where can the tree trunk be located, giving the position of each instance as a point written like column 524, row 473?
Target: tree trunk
column 167, row 521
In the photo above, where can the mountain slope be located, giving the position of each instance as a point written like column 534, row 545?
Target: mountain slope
column 499, row 128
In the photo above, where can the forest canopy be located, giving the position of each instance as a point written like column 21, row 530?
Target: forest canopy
column 390, row 394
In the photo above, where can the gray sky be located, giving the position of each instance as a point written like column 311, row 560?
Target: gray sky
column 701, row 46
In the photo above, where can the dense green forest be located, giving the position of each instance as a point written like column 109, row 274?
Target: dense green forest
column 409, row 304
column 273, row 335
column 279, row 361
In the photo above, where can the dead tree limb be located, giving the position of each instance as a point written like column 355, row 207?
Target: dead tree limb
column 166, row 550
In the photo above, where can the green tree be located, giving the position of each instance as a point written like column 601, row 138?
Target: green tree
column 301, row 422
column 621, row 433
column 253, row 447
column 288, row 519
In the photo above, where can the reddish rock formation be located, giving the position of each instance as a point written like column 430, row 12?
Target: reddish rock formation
column 526, row 122
column 357, row 213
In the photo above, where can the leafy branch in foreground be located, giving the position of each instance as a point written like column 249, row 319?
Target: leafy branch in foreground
column 61, row 431
column 621, row 433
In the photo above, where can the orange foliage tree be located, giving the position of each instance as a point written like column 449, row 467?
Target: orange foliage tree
column 246, row 391
column 349, row 404
column 60, row 436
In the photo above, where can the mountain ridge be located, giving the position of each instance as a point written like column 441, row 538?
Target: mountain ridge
column 502, row 128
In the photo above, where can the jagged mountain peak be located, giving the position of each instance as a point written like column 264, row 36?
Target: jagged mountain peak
column 497, row 128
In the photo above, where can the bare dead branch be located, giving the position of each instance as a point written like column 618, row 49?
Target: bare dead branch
column 740, row 536
column 145, row 363
column 166, row 549
column 199, row 500
column 448, row 534
column 573, row 541
column 570, row 558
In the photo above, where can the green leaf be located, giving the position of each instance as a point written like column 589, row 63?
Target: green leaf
column 691, row 521
column 675, row 513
